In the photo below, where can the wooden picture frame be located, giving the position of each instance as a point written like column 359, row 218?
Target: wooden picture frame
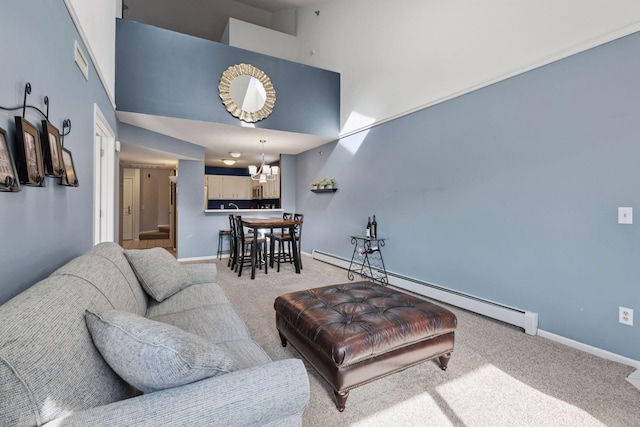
column 51, row 150
column 69, row 177
column 28, row 154
column 8, row 174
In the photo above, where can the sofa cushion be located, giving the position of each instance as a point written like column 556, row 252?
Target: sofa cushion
column 105, row 277
column 194, row 296
column 152, row 355
column 114, row 253
column 159, row 273
column 216, row 324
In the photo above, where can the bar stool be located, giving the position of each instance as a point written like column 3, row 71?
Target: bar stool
column 221, row 236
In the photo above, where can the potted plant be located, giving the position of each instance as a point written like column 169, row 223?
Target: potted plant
column 328, row 182
column 324, row 183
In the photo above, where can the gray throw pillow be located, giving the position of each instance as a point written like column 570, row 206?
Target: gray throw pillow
column 151, row 355
column 159, row 273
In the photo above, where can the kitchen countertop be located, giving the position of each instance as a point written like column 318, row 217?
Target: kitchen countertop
column 242, row 211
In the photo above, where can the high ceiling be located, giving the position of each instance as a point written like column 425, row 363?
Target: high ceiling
column 217, row 139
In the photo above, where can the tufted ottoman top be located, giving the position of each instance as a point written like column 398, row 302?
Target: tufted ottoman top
column 354, row 321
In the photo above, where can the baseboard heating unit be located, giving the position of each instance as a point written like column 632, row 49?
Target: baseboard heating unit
column 526, row 320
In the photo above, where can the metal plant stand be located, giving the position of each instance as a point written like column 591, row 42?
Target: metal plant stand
column 367, row 261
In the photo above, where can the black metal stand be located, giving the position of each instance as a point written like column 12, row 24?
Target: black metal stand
column 367, row 261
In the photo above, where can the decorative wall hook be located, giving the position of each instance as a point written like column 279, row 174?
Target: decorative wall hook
column 27, row 91
column 46, row 102
column 66, row 124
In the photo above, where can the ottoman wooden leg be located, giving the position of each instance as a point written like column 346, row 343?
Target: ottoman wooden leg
column 341, row 399
column 444, row 361
column 283, row 340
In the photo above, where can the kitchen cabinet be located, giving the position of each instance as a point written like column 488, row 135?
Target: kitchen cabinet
column 214, row 184
column 237, row 187
column 227, row 187
column 271, row 190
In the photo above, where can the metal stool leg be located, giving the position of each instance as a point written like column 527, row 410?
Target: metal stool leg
column 219, row 255
column 221, row 235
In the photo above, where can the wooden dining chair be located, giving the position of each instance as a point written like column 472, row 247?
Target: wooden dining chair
column 233, row 255
column 244, row 248
column 284, row 237
column 276, row 236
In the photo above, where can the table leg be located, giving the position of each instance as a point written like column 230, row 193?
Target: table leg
column 272, row 246
column 254, row 253
column 294, row 243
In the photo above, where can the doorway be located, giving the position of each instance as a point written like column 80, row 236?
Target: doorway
column 130, row 204
column 127, row 208
column 103, row 179
column 147, row 214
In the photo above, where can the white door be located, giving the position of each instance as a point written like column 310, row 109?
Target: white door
column 127, row 209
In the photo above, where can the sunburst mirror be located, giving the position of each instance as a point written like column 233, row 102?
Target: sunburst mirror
column 247, row 92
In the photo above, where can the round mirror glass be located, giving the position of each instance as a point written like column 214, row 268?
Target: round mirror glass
column 247, row 92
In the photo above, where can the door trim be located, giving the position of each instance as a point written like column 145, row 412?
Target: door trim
column 103, row 179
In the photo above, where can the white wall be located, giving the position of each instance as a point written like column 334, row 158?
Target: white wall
column 252, row 37
column 199, row 18
column 284, row 21
column 398, row 56
column 96, row 23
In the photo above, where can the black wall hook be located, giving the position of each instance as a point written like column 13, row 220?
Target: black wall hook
column 46, row 102
column 27, row 91
column 66, row 124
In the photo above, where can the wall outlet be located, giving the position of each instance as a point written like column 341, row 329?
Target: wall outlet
column 625, row 215
column 625, row 316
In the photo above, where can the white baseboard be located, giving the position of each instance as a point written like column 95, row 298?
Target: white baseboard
column 202, row 258
column 590, row 349
column 522, row 318
column 634, row 378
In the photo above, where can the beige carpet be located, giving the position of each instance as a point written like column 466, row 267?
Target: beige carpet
column 497, row 376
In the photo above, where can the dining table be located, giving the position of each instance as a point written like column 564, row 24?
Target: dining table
column 257, row 223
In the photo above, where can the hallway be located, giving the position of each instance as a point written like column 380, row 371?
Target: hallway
column 148, row 244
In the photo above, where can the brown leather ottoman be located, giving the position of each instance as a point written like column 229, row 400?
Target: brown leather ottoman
column 357, row 332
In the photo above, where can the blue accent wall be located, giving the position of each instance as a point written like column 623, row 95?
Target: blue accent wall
column 509, row 193
column 164, row 73
column 42, row 228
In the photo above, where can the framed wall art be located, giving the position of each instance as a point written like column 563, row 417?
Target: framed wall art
column 8, row 175
column 69, row 177
column 51, row 150
column 28, row 154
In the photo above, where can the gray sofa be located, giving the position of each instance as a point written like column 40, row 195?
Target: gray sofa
column 52, row 373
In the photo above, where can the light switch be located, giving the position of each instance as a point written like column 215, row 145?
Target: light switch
column 625, row 215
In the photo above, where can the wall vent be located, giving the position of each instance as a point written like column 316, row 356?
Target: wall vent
column 81, row 60
column 526, row 320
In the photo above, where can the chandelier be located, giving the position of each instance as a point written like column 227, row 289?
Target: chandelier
column 265, row 172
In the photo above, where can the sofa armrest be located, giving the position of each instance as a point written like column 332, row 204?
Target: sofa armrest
column 254, row 396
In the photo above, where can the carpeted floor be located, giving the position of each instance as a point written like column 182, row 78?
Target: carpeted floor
column 497, row 376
